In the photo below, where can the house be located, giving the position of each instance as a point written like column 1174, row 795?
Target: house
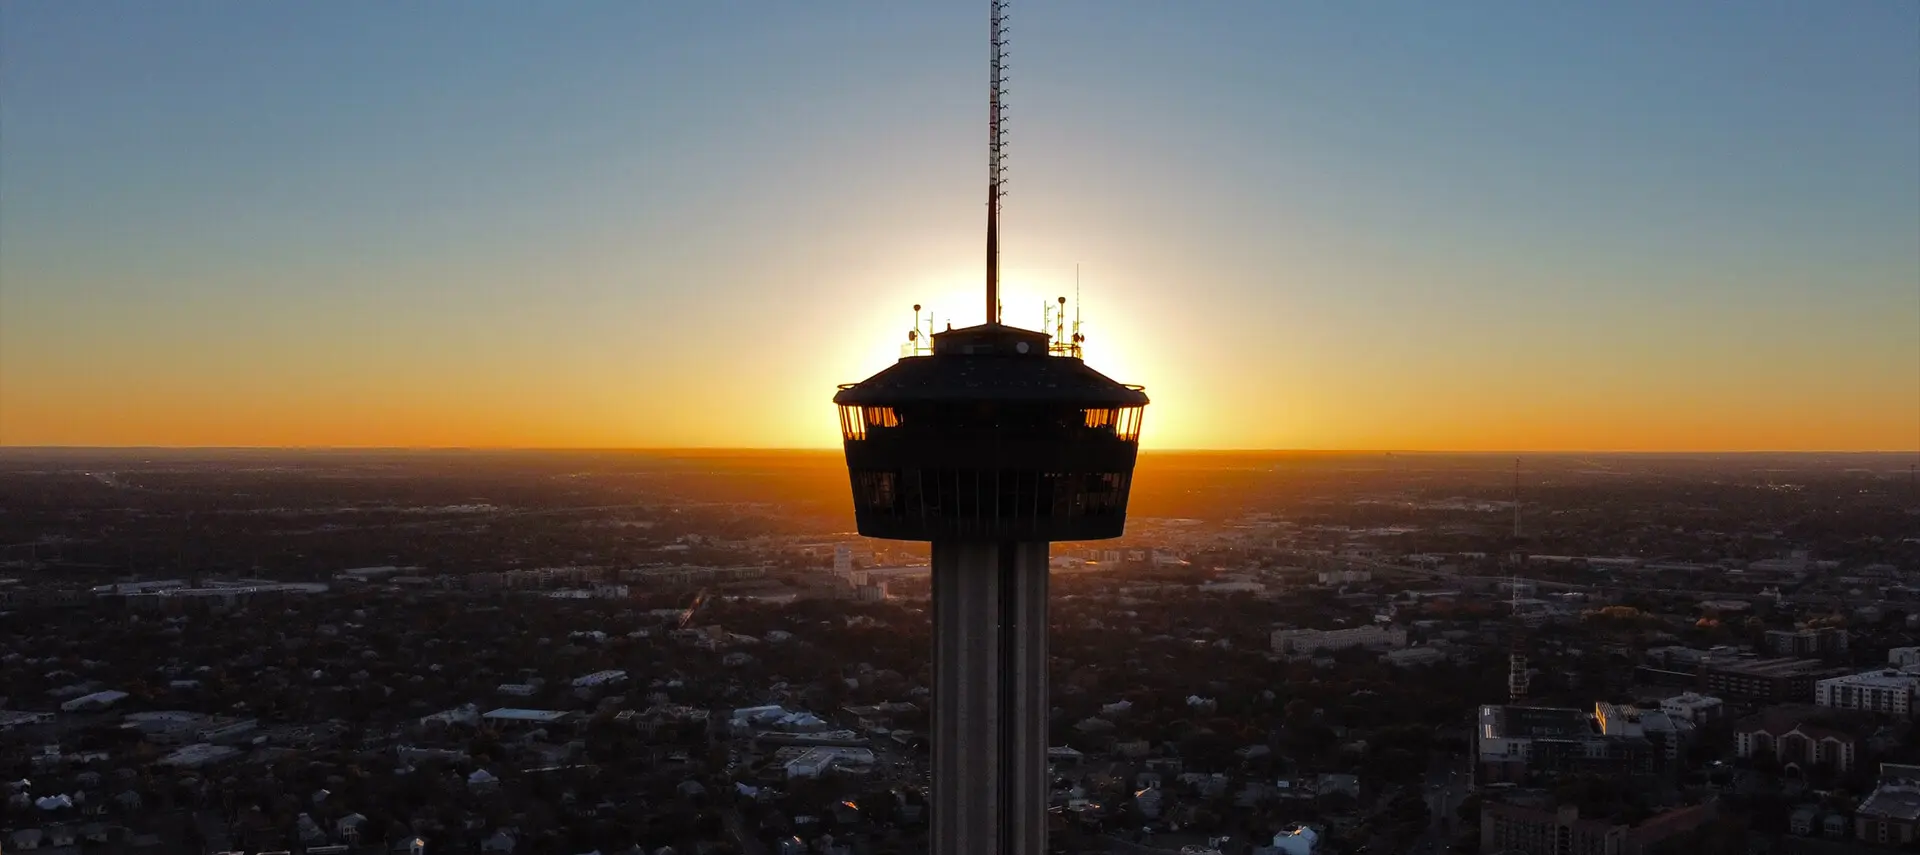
column 309, row 831
column 482, row 781
column 1801, row 821
column 350, row 827
column 501, row 843
column 1148, row 801
column 1299, row 840
column 1330, row 783
column 1834, row 825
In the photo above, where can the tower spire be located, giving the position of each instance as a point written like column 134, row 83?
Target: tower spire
column 996, row 141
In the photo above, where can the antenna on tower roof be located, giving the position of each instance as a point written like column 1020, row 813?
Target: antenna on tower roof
column 1060, row 346
column 1078, row 339
column 996, row 142
column 917, row 343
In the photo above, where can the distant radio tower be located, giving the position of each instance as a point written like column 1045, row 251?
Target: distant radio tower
column 1516, row 499
column 1516, row 655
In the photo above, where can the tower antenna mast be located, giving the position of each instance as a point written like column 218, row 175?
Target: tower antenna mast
column 996, row 143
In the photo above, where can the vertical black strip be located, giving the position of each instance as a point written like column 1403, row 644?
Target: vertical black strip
column 1009, row 694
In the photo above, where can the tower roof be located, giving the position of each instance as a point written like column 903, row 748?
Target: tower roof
column 991, row 363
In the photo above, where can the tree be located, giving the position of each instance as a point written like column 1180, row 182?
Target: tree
column 1469, row 810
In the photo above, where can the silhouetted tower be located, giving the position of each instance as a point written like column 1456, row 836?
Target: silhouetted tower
column 990, row 447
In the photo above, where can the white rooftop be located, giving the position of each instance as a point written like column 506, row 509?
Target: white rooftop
column 538, row 716
column 1880, row 679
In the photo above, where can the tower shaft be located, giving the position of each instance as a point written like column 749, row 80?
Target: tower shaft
column 990, row 704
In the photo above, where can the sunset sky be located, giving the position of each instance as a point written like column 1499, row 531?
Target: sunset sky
column 1334, row 225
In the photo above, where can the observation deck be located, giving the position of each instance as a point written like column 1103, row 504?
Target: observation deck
column 991, row 437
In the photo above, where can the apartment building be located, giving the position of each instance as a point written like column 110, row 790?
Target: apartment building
column 1306, row 641
column 1768, row 680
column 1825, row 641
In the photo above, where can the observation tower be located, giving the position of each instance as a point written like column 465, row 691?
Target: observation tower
column 990, row 444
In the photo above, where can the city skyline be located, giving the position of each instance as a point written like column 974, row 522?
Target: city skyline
column 1398, row 227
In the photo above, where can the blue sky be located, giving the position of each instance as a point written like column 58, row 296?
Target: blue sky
column 1383, row 224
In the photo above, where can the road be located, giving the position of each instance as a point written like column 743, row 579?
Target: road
column 1449, row 781
column 1116, row 846
column 737, row 832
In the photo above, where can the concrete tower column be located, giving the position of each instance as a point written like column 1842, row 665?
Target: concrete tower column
column 990, row 704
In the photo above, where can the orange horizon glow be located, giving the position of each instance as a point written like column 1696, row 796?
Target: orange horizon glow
column 1206, row 396
column 1209, row 394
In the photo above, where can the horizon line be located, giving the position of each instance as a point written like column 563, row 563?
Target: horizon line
column 5, row 448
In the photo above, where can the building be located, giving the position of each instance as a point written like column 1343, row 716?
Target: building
column 519, row 718
column 1307, row 641
column 1768, row 680
column 991, row 445
column 814, row 762
column 1792, row 737
column 1345, row 577
column 1630, row 722
column 1508, row 828
column 775, row 718
column 1823, row 642
column 95, row 701
column 10, row 719
column 1511, row 829
column 198, row 755
column 1299, row 840
column 600, row 680
column 1414, row 656
column 1891, row 815
column 1513, row 742
column 1688, row 659
column 1886, row 691
column 1694, row 708
column 1904, row 657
